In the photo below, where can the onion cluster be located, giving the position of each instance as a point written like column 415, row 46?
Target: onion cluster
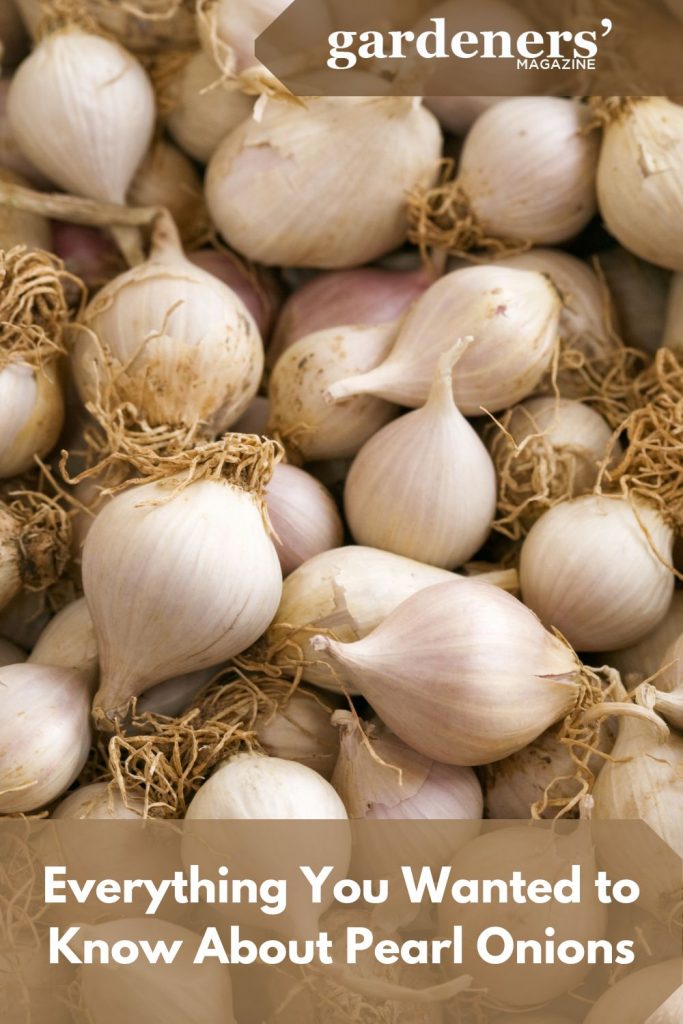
column 335, row 487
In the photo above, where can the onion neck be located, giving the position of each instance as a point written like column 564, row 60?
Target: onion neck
column 166, row 245
column 668, row 705
column 440, row 398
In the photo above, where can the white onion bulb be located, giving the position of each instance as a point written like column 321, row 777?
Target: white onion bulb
column 273, row 193
column 350, row 591
column 462, row 672
column 168, row 598
column 45, row 716
column 366, row 295
column 424, row 486
column 68, row 641
column 513, row 317
column 179, row 344
column 205, row 109
column 31, row 414
column 96, row 802
column 300, row 412
column 301, row 730
column 589, row 569
column 639, row 178
column 82, row 110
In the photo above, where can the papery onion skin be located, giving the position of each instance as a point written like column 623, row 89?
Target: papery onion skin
column 513, row 317
column 205, row 110
column 254, row 787
column 301, row 731
column 276, row 198
column 647, row 656
column 639, row 178
column 528, row 168
column 68, row 641
column 350, row 591
column 11, row 158
column 300, row 412
column 643, row 781
column 424, row 486
column 166, row 177
column 31, row 414
column 256, row 287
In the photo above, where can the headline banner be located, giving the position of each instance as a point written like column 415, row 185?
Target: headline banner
column 278, row 922
column 474, row 47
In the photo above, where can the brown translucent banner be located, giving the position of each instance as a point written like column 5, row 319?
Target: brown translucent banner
column 475, row 47
column 304, row 922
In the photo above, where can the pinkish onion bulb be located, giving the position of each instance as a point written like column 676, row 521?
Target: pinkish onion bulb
column 87, row 253
column 458, row 113
column 255, row 418
column 257, row 288
column 303, row 515
column 174, row 696
column 365, row 296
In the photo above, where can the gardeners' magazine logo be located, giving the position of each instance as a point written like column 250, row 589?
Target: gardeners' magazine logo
column 531, row 50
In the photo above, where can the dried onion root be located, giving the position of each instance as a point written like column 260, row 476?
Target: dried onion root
column 582, row 736
column 35, row 541
column 545, row 451
column 125, row 451
column 34, row 313
column 441, row 217
column 168, row 759
column 601, row 374
column 650, row 467
column 34, row 310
